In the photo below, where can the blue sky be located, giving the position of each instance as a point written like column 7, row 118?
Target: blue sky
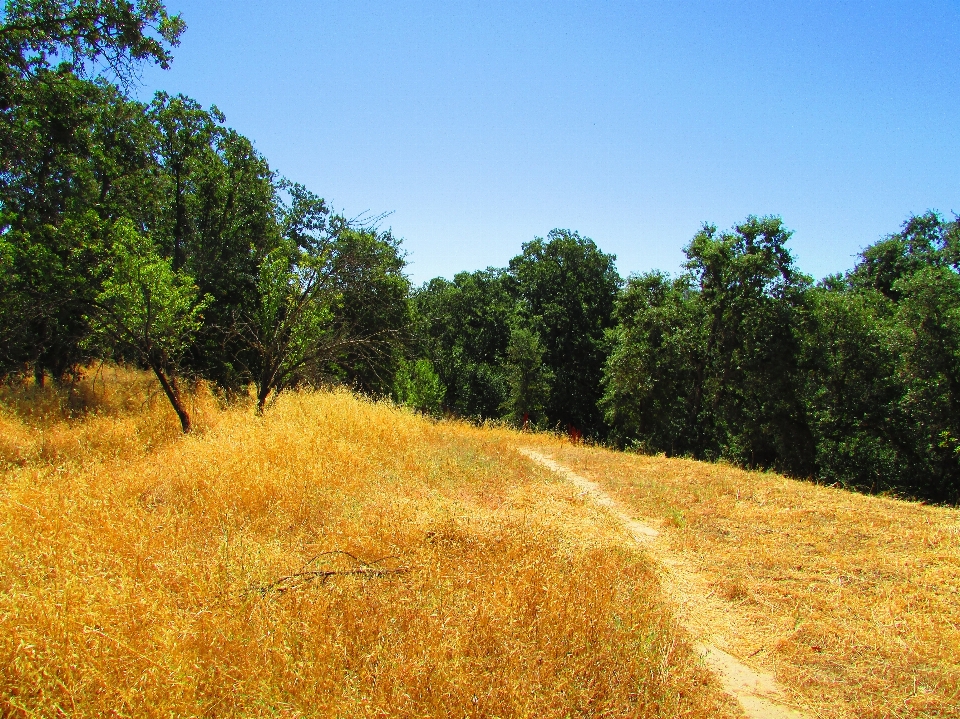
column 482, row 125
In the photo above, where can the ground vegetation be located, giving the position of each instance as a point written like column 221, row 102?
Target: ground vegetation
column 335, row 557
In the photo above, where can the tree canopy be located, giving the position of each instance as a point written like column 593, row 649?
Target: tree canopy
column 852, row 381
column 91, row 35
column 156, row 234
column 153, row 233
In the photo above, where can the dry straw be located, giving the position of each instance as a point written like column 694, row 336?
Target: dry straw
column 336, row 557
column 853, row 601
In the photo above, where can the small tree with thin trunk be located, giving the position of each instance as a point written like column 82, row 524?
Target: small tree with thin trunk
column 417, row 385
column 296, row 331
column 147, row 309
column 290, row 329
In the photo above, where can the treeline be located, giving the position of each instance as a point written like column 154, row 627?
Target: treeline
column 152, row 233
column 853, row 380
column 526, row 343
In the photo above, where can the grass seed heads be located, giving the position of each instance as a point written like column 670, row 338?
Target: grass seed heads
column 336, row 557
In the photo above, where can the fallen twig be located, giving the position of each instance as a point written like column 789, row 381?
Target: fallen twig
column 299, row 579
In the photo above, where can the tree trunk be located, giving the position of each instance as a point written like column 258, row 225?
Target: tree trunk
column 268, row 376
column 262, row 393
column 172, row 391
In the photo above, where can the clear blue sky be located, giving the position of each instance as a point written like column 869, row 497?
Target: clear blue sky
column 484, row 124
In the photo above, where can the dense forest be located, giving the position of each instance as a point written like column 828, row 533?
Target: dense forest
column 153, row 234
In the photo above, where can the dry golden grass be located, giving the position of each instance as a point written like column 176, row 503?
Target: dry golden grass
column 110, row 413
column 139, row 570
column 853, row 601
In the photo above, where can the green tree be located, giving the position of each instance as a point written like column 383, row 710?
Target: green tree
column 301, row 331
column 367, row 267
column 220, row 215
column 709, row 364
column 566, row 288
column 116, row 35
column 924, row 241
column 527, row 377
column 417, row 385
column 147, row 308
column 650, row 377
column 290, row 329
column 927, row 341
column 187, row 147
column 881, row 348
column 82, row 158
column 851, row 391
column 854, row 381
column 463, row 328
column 747, row 389
column 73, row 154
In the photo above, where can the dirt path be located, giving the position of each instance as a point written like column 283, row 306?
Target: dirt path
column 703, row 615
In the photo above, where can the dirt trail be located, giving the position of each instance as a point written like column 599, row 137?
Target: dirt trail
column 703, row 615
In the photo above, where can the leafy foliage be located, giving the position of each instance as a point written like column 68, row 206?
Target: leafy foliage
column 290, row 326
column 463, row 328
column 651, row 374
column 417, row 385
column 850, row 364
column 331, row 303
column 77, row 154
column 154, row 233
column 528, row 378
column 87, row 33
column 367, row 270
column 290, row 294
column 854, row 381
column 148, row 308
column 567, row 289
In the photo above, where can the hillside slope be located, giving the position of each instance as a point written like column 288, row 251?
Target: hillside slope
column 851, row 601
column 335, row 558
column 347, row 558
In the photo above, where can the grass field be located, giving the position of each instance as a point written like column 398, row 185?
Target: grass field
column 341, row 557
column 336, row 557
column 852, row 601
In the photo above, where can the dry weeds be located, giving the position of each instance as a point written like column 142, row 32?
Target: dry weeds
column 111, row 413
column 853, row 601
column 336, row 557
